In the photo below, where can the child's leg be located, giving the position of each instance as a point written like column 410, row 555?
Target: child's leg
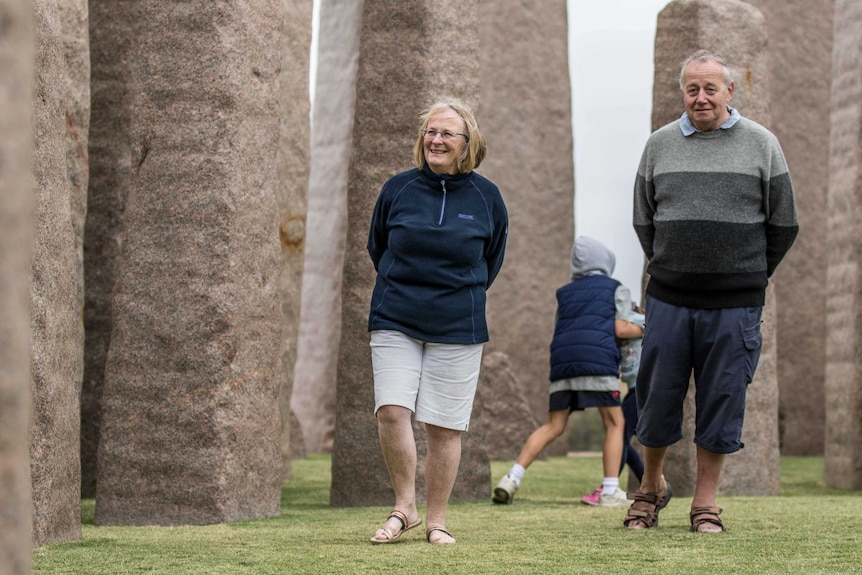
column 539, row 440
column 612, row 419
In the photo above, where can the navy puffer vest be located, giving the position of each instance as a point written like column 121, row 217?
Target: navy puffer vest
column 584, row 338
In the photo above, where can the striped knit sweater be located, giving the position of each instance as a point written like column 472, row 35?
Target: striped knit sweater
column 714, row 213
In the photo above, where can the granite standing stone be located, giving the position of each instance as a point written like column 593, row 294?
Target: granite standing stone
column 293, row 168
column 16, row 235
column 109, row 145
column 76, row 51
column 190, row 421
column 527, row 120
column 800, row 78
column 56, row 346
column 411, row 52
column 313, row 398
column 504, row 409
column 737, row 31
column 843, row 450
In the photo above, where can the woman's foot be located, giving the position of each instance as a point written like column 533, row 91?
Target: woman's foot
column 437, row 535
column 394, row 527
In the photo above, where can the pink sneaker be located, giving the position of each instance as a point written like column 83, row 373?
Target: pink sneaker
column 592, row 498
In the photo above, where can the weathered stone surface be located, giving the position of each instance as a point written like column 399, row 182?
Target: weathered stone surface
column 800, row 78
column 313, row 397
column 190, row 422
column 293, row 168
column 410, row 53
column 56, row 346
column 76, row 51
column 843, row 450
column 503, row 408
column 527, row 120
column 737, row 31
column 109, row 146
column 16, row 236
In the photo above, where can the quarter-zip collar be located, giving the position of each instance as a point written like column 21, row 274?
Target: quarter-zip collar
column 451, row 183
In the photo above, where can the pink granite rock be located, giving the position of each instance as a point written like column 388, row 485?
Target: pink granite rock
column 190, row 420
column 17, row 76
column 56, row 346
column 526, row 111
column 109, row 144
column 293, row 168
column 800, row 78
column 843, row 449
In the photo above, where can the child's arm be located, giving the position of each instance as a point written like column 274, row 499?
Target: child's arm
column 627, row 330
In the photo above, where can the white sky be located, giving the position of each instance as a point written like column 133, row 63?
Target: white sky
column 611, row 67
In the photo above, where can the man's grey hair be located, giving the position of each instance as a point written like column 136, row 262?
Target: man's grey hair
column 706, row 56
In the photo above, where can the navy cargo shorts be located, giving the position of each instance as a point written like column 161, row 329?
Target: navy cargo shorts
column 722, row 348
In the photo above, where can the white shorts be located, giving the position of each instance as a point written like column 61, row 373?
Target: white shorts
column 436, row 381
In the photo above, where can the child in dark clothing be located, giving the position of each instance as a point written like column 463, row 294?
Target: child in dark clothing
column 630, row 353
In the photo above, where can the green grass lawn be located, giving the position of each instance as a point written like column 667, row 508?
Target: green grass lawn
column 808, row 529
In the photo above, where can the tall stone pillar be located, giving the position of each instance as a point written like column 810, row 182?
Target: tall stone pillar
column 16, row 235
column 843, row 450
column 76, row 51
column 800, row 78
column 190, row 422
column 683, row 27
column 313, row 398
column 109, row 149
column 56, row 346
column 293, row 168
column 411, row 52
column 529, row 134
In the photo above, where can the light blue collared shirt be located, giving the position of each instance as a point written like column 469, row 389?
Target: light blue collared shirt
column 688, row 128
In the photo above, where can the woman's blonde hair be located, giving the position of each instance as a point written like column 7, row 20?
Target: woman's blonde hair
column 474, row 151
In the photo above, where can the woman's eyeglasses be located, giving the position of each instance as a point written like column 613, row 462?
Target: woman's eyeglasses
column 446, row 136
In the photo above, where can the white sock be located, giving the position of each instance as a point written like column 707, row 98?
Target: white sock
column 517, row 473
column 610, row 484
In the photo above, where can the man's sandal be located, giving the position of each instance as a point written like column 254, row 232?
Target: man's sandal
column 385, row 535
column 432, row 527
column 701, row 516
column 646, row 507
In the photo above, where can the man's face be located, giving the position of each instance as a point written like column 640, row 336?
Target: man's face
column 706, row 95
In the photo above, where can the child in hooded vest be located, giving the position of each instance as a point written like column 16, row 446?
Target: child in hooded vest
column 593, row 312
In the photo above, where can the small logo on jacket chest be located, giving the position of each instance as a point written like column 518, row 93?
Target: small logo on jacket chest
column 466, row 216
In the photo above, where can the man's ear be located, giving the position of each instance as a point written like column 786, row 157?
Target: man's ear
column 730, row 91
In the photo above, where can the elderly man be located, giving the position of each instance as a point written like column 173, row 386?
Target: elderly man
column 714, row 212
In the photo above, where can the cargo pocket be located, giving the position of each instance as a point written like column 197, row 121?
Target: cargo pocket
column 753, row 341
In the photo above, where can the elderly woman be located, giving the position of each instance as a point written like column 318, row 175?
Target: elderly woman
column 437, row 240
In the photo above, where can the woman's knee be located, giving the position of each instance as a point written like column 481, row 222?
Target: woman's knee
column 392, row 415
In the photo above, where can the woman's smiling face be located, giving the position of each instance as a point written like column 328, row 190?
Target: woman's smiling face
column 444, row 141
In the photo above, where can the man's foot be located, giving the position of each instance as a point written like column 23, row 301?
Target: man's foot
column 592, row 498
column 706, row 520
column 616, row 499
column 505, row 490
column 643, row 513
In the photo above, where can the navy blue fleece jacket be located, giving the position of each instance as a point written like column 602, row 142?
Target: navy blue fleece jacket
column 437, row 243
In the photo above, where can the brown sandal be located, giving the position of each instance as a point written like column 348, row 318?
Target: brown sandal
column 646, row 507
column 705, row 516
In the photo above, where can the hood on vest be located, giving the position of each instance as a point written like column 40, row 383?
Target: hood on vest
column 591, row 257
